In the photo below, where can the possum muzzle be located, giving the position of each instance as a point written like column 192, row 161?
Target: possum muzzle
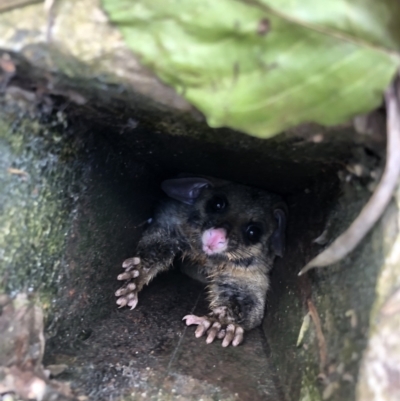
column 214, row 240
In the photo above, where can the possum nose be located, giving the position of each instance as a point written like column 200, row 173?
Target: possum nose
column 214, row 240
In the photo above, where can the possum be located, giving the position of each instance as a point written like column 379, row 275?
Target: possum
column 231, row 233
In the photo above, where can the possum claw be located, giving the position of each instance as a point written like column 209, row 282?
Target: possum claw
column 234, row 335
column 128, row 275
column 122, row 301
column 126, row 289
column 128, row 293
column 133, row 301
column 213, row 332
column 131, row 262
column 193, row 319
column 231, row 334
column 202, row 324
column 127, row 297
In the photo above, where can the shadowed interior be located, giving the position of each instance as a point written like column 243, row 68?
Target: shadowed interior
column 149, row 351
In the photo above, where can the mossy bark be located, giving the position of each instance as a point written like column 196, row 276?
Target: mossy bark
column 39, row 180
column 343, row 296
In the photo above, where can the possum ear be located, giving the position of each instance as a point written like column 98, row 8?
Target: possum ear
column 278, row 236
column 185, row 190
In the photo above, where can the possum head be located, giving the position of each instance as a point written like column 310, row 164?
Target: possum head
column 230, row 221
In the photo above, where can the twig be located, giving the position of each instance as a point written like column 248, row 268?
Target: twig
column 17, row 171
column 49, row 6
column 323, row 353
column 375, row 207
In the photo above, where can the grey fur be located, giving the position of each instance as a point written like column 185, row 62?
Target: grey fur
column 237, row 277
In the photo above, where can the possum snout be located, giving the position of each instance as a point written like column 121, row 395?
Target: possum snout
column 214, row 240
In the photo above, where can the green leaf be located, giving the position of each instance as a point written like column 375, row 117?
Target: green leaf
column 263, row 66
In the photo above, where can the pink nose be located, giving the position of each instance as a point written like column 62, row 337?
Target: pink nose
column 214, row 240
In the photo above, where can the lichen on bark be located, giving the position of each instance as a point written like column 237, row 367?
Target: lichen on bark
column 38, row 182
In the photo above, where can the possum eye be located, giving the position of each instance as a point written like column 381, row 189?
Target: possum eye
column 217, row 204
column 253, row 233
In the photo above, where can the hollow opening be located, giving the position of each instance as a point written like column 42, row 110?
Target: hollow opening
column 116, row 162
column 149, row 351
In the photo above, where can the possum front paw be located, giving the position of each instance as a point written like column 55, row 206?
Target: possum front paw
column 134, row 276
column 227, row 332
